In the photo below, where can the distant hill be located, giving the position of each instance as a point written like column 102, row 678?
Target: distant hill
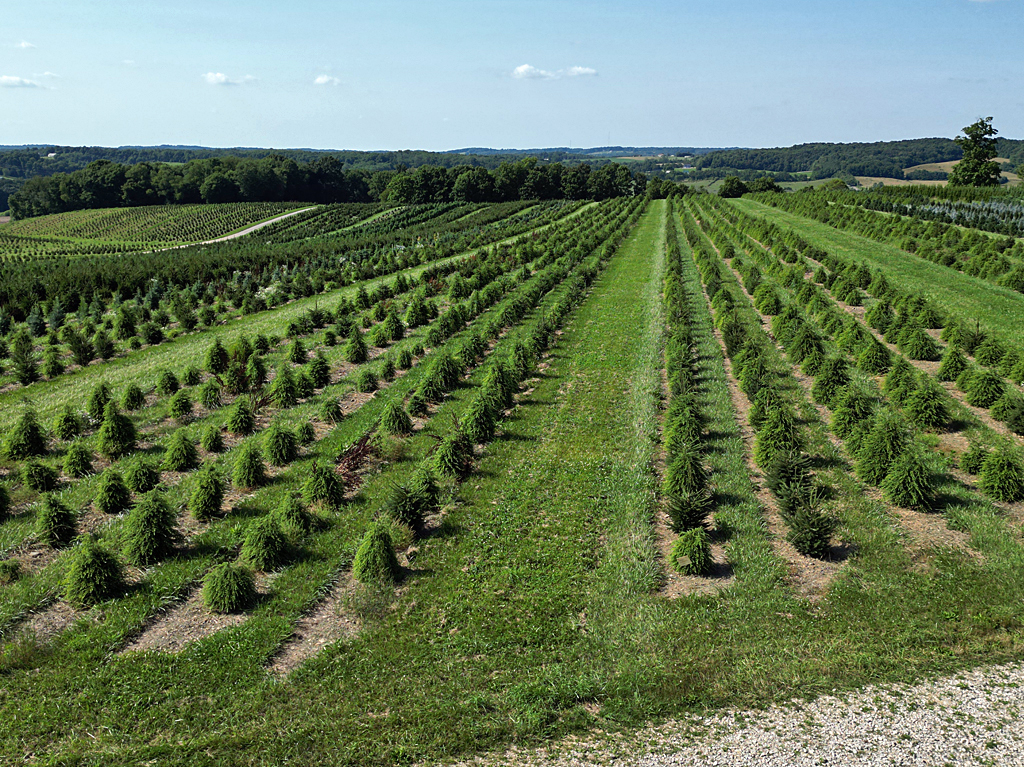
column 885, row 159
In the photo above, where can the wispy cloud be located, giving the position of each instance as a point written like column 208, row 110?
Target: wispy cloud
column 327, row 80
column 9, row 81
column 530, row 72
column 47, row 74
column 24, row 44
column 219, row 78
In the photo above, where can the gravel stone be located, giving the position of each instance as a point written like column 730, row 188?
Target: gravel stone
column 972, row 718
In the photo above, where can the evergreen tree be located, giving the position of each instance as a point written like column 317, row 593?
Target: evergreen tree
column 117, row 435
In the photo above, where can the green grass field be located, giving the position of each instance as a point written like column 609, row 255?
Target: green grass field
column 539, row 602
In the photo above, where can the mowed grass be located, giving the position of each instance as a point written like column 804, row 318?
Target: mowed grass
column 533, row 609
column 959, row 295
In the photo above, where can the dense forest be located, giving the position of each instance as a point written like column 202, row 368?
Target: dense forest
column 104, row 184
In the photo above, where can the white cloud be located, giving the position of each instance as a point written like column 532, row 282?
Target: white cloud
column 327, row 80
column 129, row 62
column 529, row 72
column 47, row 74
column 219, row 78
column 9, row 81
column 24, row 44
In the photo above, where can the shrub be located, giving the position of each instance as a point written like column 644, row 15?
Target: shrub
column 688, row 509
column 265, row 546
column 297, row 352
column 691, row 552
column 406, row 507
column 810, row 532
column 853, row 406
column 38, row 476
column 304, row 387
column 766, row 300
column 150, row 531
column 249, row 471
column 284, row 392
column 355, row 348
column 918, row 345
column 207, row 494
column 305, row 434
column 229, row 588
column 375, row 562
column 280, row 445
column 323, row 486
column 901, row 382
column 908, row 482
column 423, row 485
column 216, row 358
column 834, row 376
column 330, row 411
column 778, row 433
column 78, row 460
column 117, row 433
column 990, row 352
column 320, row 371
column 453, row 457
column 754, row 376
column 963, row 381
column 985, row 388
column 953, row 364
column 98, row 399
column 1006, row 404
column 686, row 472
column 404, row 359
column 167, row 383
column 192, row 376
column 1002, row 476
column 480, row 420
column 242, row 421
column 133, row 398
column 293, row 517
column 26, row 439
column 5, row 502
column 886, row 440
column 55, row 522
column 141, row 475
column 767, row 399
column 94, row 575
column 395, row 421
column 67, row 425
column 366, row 381
column 112, row 495
column 926, row 407
column 211, row 440
column 875, row 358
column 181, row 452
column 972, row 460
column 387, row 369
column 181, row 407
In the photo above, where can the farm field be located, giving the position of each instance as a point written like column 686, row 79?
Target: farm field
column 398, row 486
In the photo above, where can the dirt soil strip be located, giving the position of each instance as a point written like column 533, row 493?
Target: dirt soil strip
column 329, row 622
column 188, row 621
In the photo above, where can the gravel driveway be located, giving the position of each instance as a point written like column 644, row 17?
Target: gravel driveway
column 973, row 718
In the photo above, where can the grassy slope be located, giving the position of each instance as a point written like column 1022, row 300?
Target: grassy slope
column 967, row 298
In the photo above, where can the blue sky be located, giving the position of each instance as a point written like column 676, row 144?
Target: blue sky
column 397, row 74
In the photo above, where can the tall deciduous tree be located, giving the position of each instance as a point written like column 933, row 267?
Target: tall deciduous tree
column 977, row 167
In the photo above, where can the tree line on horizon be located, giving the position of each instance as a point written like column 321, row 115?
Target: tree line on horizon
column 105, row 184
